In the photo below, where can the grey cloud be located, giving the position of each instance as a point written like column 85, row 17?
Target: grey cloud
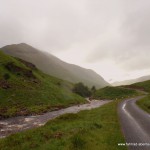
column 56, row 25
column 117, row 30
column 129, row 50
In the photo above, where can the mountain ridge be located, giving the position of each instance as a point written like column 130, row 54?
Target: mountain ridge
column 54, row 66
column 132, row 81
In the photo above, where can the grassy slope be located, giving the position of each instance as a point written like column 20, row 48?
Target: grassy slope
column 29, row 91
column 88, row 130
column 54, row 66
column 114, row 93
column 145, row 86
column 145, row 102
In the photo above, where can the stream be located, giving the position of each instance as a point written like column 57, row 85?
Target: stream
column 17, row 124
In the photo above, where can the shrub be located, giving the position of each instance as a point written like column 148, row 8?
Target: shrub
column 93, row 89
column 81, row 90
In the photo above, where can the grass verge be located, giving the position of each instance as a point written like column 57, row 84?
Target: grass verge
column 144, row 103
column 114, row 93
column 143, row 86
column 87, row 130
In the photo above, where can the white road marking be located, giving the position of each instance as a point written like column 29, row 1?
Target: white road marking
column 123, row 107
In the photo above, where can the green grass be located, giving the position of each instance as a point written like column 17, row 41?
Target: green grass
column 145, row 103
column 145, row 86
column 88, row 130
column 25, row 90
column 114, row 93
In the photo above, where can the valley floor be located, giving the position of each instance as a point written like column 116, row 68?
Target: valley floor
column 94, row 129
column 18, row 124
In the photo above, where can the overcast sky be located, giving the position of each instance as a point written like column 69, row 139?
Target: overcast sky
column 111, row 37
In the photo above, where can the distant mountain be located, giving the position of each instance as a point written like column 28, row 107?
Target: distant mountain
column 128, row 82
column 54, row 66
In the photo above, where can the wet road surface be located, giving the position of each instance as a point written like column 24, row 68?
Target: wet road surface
column 18, row 124
column 135, row 124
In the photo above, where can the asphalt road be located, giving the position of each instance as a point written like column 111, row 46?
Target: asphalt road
column 18, row 124
column 135, row 125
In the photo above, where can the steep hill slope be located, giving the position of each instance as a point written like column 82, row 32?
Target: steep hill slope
column 26, row 90
column 54, row 66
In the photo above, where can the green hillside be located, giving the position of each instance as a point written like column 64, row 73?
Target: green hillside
column 114, row 93
column 145, row 102
column 145, row 86
column 52, row 65
column 25, row 90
